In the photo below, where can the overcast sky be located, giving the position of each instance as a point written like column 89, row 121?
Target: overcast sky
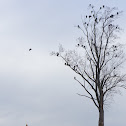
column 36, row 88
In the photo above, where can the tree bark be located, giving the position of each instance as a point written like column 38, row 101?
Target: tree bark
column 101, row 117
column 101, row 111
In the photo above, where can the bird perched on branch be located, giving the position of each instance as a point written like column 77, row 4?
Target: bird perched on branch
column 89, row 16
column 111, row 16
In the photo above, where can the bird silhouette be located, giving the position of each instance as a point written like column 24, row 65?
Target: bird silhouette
column 110, row 25
column 89, row 16
column 30, row 49
column 74, row 67
column 57, row 54
column 96, row 20
column 111, row 16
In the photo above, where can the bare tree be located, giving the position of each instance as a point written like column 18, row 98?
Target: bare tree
column 98, row 57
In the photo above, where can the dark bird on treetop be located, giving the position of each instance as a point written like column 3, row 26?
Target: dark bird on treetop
column 74, row 67
column 110, row 24
column 30, row 49
column 57, row 54
column 96, row 20
column 112, row 16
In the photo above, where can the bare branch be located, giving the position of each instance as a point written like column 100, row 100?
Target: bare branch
column 86, row 96
column 87, row 92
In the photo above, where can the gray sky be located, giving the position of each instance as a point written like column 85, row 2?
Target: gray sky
column 36, row 88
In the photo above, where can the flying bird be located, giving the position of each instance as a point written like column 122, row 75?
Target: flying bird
column 30, row 49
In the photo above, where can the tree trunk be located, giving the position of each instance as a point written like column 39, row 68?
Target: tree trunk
column 101, row 117
column 101, row 110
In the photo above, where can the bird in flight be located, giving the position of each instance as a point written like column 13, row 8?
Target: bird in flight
column 30, row 49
